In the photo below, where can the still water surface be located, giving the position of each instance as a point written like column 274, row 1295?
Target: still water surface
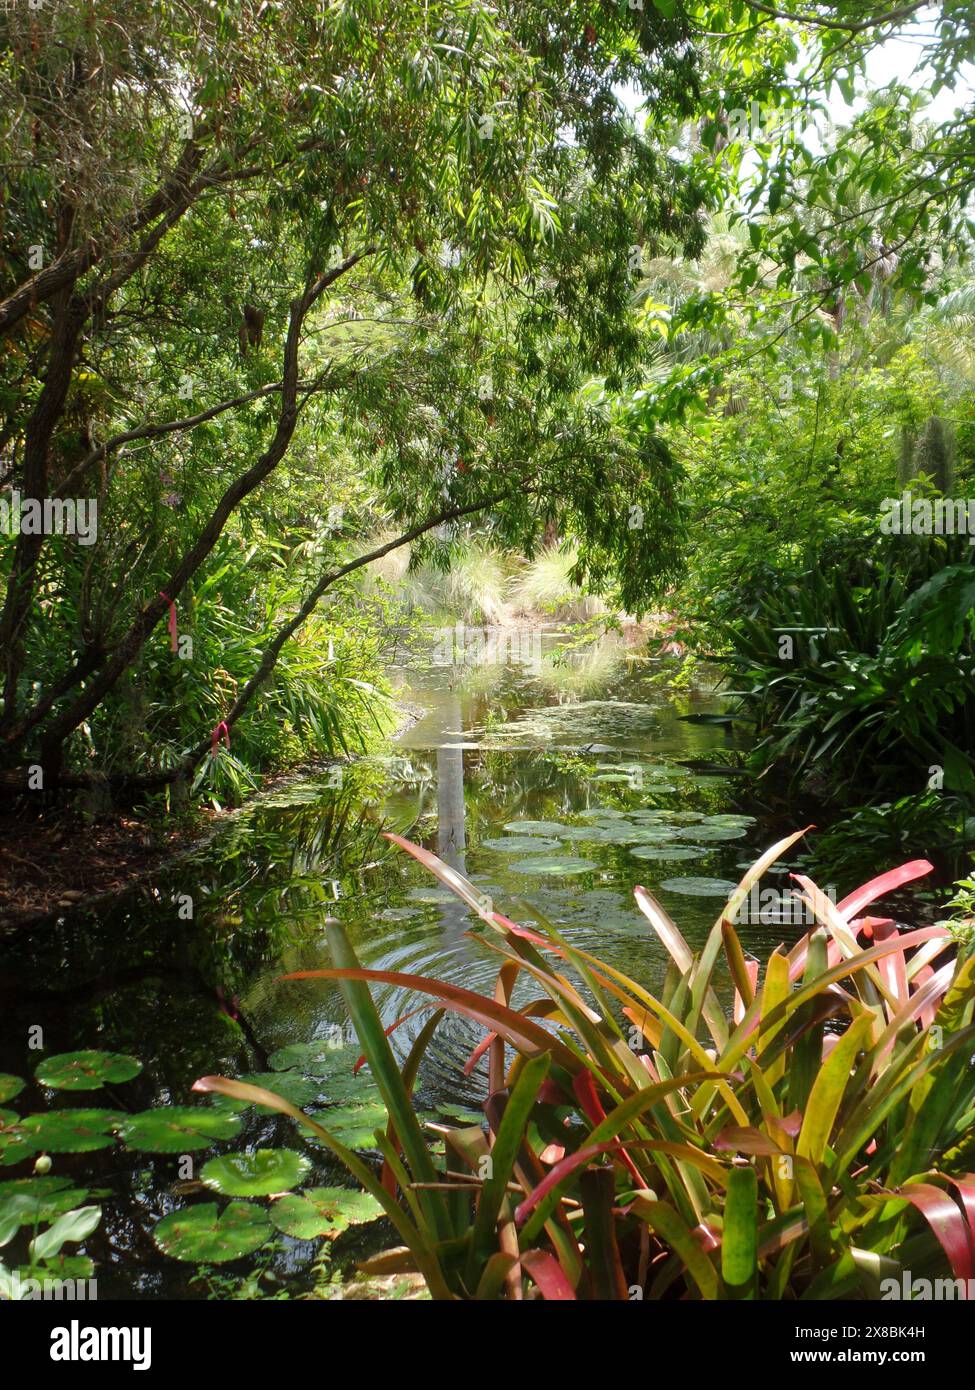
column 555, row 780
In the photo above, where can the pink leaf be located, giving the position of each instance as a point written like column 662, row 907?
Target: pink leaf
column 548, row 1274
column 561, row 1171
column 880, row 886
column 947, row 1221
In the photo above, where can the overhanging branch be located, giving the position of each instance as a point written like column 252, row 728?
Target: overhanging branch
column 16, row 779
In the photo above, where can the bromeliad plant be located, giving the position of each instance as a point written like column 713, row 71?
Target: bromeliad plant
column 811, row 1144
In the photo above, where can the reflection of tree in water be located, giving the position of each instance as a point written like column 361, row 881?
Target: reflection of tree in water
column 145, row 981
column 523, row 784
column 451, row 817
column 252, row 891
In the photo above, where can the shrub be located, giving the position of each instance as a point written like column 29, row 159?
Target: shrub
column 863, row 672
column 649, row 1145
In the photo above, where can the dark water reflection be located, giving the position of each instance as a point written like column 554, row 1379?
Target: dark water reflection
column 567, row 734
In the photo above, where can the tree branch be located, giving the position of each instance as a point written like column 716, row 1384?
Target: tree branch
column 131, row 644
column 850, row 26
column 149, row 431
column 270, row 656
column 72, row 264
column 40, row 428
column 170, row 202
column 16, row 779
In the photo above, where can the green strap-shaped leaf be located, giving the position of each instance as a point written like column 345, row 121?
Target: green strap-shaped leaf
column 807, row 1051
column 509, row 1139
column 739, row 1244
column 597, row 1190
column 675, row 1232
column 774, row 993
column 382, row 1064
column 495, row 1273
column 828, row 1090
column 817, row 1212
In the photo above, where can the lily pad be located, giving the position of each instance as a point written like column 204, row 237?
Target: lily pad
column 226, row 1105
column 346, row 1117
column 699, row 887
column 713, row 834
column 255, row 1174
column 650, row 835
column 672, row 852
column 71, row 1131
column 353, row 1125
column 329, row 1065
column 86, row 1071
column 178, row 1129
column 33, row 1186
column 203, row 1234
column 346, row 1089
column 324, row 1211
column 298, row 1089
column 597, row 834
column 15, row 1143
column 463, row 1113
column 431, row 895
column 61, row 1266
column 10, row 1086
column 553, row 864
column 535, row 827
column 532, row 844
column 321, row 1057
column 29, row 1208
column 359, row 1137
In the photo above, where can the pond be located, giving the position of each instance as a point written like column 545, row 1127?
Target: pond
column 554, row 774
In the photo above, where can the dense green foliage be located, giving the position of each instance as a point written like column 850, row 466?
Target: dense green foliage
column 275, row 281
column 617, row 307
column 387, row 251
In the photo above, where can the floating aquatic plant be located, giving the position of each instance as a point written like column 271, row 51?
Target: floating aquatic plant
column 554, row 864
column 86, row 1071
column 699, row 887
column 206, row 1235
column 256, row 1174
column 70, row 1131
column 323, row 1211
column 178, row 1129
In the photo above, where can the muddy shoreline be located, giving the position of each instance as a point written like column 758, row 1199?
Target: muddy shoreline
column 64, row 860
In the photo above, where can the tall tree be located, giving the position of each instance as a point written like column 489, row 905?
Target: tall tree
column 194, row 200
